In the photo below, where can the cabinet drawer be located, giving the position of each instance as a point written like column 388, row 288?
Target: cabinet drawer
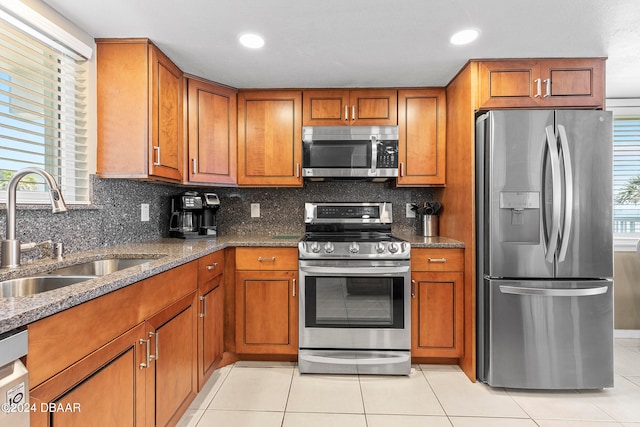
column 210, row 266
column 437, row 260
column 266, row 259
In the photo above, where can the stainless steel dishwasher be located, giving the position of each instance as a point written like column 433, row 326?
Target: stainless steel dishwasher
column 14, row 380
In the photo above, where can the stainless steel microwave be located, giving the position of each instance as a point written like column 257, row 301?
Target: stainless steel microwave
column 350, row 152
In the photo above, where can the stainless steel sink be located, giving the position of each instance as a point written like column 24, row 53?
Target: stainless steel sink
column 100, row 267
column 36, row 284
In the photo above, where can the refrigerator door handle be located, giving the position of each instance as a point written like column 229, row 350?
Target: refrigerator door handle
column 568, row 194
column 583, row 292
column 552, row 244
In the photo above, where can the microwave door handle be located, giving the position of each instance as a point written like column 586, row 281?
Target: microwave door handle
column 374, row 155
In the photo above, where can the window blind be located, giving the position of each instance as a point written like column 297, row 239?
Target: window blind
column 42, row 116
column 626, row 174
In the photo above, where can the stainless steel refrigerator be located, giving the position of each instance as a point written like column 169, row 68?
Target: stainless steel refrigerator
column 544, row 249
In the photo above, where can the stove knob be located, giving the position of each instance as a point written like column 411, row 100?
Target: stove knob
column 393, row 247
column 379, row 247
column 315, row 247
column 328, row 247
column 354, row 248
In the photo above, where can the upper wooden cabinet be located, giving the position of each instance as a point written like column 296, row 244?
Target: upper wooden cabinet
column 140, row 118
column 270, row 138
column 541, row 83
column 340, row 107
column 422, row 137
column 212, row 141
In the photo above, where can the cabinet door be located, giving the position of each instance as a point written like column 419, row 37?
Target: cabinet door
column 172, row 336
column 378, row 107
column 509, row 84
column 422, row 143
column 266, row 312
column 270, row 139
column 165, row 156
column 572, row 82
column 210, row 327
column 212, row 157
column 437, row 315
column 326, row 107
column 104, row 388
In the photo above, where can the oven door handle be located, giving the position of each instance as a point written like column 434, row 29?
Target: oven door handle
column 351, row 271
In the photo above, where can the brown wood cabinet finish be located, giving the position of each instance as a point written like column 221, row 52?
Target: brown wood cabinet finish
column 437, row 303
column 343, row 107
column 212, row 140
column 140, row 117
column 541, row 83
column 422, row 137
column 270, row 138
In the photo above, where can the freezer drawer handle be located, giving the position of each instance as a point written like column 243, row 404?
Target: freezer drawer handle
column 585, row 292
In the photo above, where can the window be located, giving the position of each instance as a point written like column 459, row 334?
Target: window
column 42, row 113
column 626, row 172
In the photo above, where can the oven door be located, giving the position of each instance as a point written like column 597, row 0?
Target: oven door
column 355, row 304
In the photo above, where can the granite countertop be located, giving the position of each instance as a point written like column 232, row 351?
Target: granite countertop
column 168, row 253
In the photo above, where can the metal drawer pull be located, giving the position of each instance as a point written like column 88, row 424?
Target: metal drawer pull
column 204, row 305
column 437, row 259
column 147, row 343
column 272, row 259
column 294, row 287
column 569, row 292
column 413, row 289
column 154, row 356
column 212, row 266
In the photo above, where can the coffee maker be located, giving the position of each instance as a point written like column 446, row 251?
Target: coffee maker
column 194, row 216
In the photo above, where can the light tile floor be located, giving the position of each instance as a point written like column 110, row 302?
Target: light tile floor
column 263, row 394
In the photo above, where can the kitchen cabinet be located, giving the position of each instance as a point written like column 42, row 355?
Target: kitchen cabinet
column 536, row 83
column 341, row 107
column 211, row 316
column 266, row 301
column 422, row 137
column 269, row 139
column 437, row 303
column 133, row 358
column 212, row 137
column 140, row 117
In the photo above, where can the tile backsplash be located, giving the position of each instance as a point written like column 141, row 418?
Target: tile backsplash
column 114, row 215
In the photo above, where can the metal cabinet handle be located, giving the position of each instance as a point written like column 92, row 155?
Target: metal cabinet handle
column 194, row 164
column 353, row 112
column 413, row 289
column 272, row 259
column 294, row 287
column 147, row 344
column 437, row 259
column 346, row 112
column 401, row 171
column 157, row 151
column 547, row 90
column 297, row 170
column 212, row 266
column 156, row 335
column 204, row 306
column 538, row 88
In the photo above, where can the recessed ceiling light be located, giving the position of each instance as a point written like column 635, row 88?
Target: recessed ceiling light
column 464, row 36
column 252, row 41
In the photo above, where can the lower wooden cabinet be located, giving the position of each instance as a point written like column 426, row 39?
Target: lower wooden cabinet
column 437, row 303
column 267, row 312
column 145, row 377
column 210, row 329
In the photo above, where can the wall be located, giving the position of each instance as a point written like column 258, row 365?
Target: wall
column 626, row 303
column 114, row 216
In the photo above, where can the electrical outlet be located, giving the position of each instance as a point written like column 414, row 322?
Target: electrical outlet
column 144, row 212
column 255, row 210
column 410, row 213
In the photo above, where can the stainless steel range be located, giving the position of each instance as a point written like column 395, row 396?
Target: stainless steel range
column 355, row 315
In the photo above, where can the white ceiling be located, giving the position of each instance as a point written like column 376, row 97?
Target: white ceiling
column 368, row 43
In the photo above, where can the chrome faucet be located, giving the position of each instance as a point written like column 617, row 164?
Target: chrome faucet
column 11, row 247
